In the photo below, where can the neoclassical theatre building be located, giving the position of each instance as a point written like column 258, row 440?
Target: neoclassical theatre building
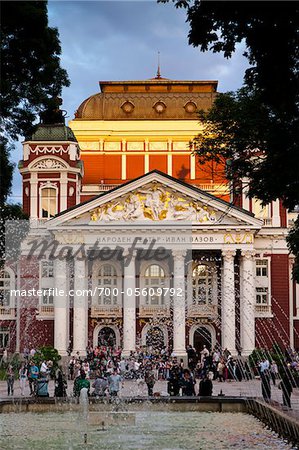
column 191, row 261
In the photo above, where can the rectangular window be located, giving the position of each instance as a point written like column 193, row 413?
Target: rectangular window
column 4, row 337
column 261, row 296
column 261, row 267
column 47, row 269
column 47, row 297
column 48, row 202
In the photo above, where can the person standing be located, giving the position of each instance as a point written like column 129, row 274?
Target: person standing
column 60, row 384
column 32, row 377
column 114, row 383
column 149, row 378
column 286, row 386
column 273, row 372
column 81, row 382
column 220, row 370
column 100, row 386
column 205, row 387
column 23, row 372
column 265, row 380
column 187, row 384
column 10, row 378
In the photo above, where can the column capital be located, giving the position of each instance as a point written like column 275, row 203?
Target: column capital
column 248, row 254
column 129, row 252
column 228, row 254
column 178, row 254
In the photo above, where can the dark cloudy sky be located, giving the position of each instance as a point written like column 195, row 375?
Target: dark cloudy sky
column 119, row 40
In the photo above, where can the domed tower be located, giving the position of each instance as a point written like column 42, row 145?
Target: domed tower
column 51, row 168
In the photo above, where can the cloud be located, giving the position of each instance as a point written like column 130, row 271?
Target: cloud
column 119, row 40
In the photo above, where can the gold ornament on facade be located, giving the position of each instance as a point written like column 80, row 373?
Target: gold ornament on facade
column 238, row 238
column 155, row 203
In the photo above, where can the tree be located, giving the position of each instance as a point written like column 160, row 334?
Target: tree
column 30, row 66
column 271, row 93
column 6, row 173
column 239, row 128
column 31, row 80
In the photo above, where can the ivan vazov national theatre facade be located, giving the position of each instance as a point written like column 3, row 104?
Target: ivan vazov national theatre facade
column 122, row 177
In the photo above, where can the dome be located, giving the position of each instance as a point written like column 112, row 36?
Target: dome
column 53, row 132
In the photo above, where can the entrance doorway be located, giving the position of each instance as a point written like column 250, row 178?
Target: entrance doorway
column 107, row 337
column 202, row 336
column 155, row 338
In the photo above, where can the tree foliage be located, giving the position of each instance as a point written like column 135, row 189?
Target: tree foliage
column 264, row 116
column 6, row 172
column 30, row 65
column 238, row 132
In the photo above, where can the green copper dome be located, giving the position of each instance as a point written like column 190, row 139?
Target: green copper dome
column 53, row 132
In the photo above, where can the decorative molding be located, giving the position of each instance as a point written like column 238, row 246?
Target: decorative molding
column 54, row 149
column 238, row 238
column 160, row 107
column 71, row 191
column 154, row 202
column 49, row 184
column 128, row 107
column 112, row 145
column 162, row 146
column 180, row 145
column 132, row 146
column 89, row 145
column 190, row 107
column 49, row 164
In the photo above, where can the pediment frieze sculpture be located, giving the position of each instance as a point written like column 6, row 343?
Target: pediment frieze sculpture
column 154, row 203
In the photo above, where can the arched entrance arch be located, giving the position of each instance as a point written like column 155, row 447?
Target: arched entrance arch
column 157, row 334
column 108, row 333
column 202, row 334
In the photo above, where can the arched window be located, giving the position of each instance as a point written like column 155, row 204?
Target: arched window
column 154, row 279
column 202, row 284
column 107, row 283
column 5, row 287
column 48, row 202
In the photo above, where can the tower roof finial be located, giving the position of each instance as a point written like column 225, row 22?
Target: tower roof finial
column 158, row 70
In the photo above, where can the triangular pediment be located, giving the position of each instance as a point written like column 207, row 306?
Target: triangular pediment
column 156, row 198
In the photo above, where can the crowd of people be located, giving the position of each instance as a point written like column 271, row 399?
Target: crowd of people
column 103, row 371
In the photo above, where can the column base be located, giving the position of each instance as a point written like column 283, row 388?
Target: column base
column 62, row 353
column 127, row 353
column 246, row 353
column 79, row 353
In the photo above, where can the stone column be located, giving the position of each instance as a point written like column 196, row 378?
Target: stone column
column 228, row 315
column 247, row 303
column 80, row 323
column 129, row 305
column 179, row 302
column 61, row 307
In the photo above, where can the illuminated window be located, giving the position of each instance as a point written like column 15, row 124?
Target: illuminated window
column 5, row 287
column 48, row 202
column 260, row 211
column 47, row 297
column 107, row 282
column 261, row 296
column 261, row 267
column 4, row 337
column 154, row 279
column 47, row 269
column 202, row 284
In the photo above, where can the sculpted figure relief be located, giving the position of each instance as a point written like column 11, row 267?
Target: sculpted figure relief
column 153, row 203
